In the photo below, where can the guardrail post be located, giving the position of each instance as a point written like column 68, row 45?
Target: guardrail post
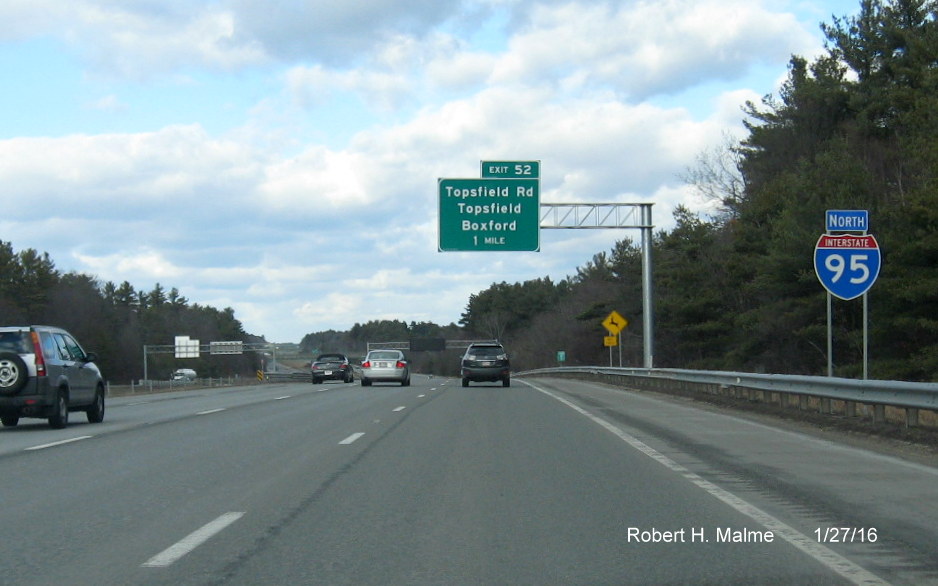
column 879, row 414
column 850, row 408
column 911, row 417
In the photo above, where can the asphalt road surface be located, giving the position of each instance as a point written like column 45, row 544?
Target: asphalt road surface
column 547, row 482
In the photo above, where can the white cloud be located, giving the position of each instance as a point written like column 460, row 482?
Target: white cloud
column 645, row 48
column 319, row 210
column 107, row 104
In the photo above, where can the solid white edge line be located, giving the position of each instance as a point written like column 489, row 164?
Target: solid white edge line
column 172, row 553
column 350, row 439
column 825, row 556
column 59, row 443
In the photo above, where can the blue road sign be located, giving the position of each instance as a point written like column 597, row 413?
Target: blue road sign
column 847, row 265
column 847, row 220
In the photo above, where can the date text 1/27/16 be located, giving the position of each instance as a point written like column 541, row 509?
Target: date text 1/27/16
column 846, row 534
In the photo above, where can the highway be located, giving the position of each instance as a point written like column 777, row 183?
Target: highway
column 549, row 481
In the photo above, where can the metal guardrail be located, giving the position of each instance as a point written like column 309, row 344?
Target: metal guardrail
column 880, row 394
column 287, row 377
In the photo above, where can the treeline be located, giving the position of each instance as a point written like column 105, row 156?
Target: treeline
column 855, row 129
column 116, row 321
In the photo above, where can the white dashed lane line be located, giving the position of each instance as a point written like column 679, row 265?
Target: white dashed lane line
column 350, row 439
column 59, row 443
column 171, row 554
column 401, row 408
column 209, row 412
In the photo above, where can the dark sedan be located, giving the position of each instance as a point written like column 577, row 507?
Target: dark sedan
column 332, row 367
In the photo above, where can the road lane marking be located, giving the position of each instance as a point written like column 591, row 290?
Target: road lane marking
column 209, row 412
column 422, row 396
column 350, row 439
column 283, row 397
column 59, row 443
column 830, row 559
column 172, row 553
column 401, row 408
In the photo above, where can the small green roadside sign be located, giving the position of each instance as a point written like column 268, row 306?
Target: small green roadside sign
column 511, row 169
column 489, row 214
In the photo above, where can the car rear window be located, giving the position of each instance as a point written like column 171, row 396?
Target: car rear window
column 486, row 350
column 384, row 356
column 15, row 342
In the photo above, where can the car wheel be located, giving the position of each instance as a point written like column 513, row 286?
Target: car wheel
column 13, row 373
column 405, row 382
column 366, row 382
column 96, row 411
column 465, row 382
column 317, row 381
column 506, row 382
column 9, row 420
column 59, row 417
column 350, row 378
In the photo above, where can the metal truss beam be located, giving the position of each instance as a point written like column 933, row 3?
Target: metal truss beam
column 573, row 216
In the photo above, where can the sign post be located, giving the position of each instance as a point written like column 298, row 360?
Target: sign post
column 847, row 265
column 614, row 324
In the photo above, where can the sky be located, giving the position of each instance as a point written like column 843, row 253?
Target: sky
column 282, row 158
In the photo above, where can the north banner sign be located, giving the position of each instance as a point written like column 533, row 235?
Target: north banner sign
column 847, row 265
column 847, row 220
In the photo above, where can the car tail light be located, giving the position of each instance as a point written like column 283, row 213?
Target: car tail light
column 366, row 364
column 40, row 359
column 400, row 364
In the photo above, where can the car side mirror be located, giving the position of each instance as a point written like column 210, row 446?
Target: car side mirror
column 91, row 357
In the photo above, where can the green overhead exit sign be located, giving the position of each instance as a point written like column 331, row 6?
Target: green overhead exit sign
column 489, row 214
column 511, row 169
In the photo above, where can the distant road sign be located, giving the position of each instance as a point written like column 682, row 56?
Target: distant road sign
column 186, row 347
column 511, row 169
column 847, row 265
column 489, row 214
column 233, row 347
column 847, row 220
column 614, row 322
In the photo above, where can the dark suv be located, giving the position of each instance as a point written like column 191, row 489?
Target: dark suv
column 485, row 362
column 332, row 367
column 45, row 373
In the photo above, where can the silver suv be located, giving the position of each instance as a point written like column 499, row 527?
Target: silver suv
column 45, row 373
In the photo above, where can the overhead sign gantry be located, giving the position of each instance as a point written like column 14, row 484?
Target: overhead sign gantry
column 502, row 211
